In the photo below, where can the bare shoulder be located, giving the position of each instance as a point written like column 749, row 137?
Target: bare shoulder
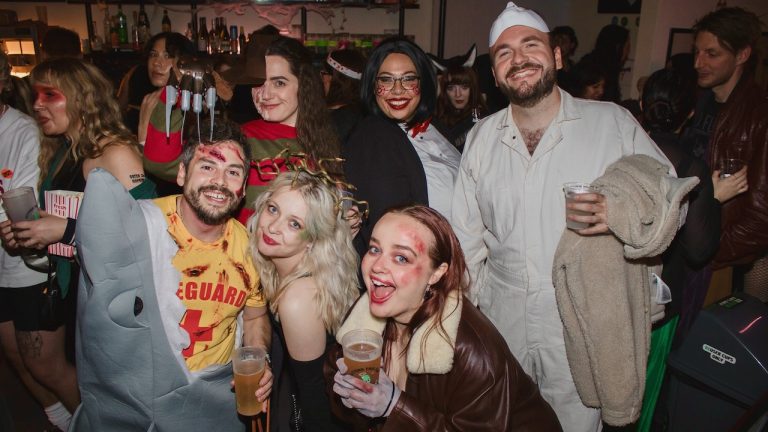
column 117, row 154
column 298, row 300
column 302, row 325
column 122, row 161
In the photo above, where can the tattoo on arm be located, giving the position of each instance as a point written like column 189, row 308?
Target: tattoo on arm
column 137, row 178
column 30, row 344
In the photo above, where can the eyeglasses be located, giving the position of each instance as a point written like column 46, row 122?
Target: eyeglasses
column 409, row 82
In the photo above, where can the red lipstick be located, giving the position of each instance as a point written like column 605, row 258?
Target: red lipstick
column 268, row 240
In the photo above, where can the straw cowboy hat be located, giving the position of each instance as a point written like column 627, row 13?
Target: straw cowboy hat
column 252, row 70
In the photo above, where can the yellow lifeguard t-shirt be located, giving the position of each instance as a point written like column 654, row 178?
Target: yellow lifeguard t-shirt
column 217, row 281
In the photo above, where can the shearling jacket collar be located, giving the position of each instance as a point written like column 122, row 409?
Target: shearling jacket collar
column 440, row 358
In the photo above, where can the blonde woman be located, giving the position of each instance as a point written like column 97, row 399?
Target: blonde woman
column 302, row 246
column 21, row 288
column 83, row 130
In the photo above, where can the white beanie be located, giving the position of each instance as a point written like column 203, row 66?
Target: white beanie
column 514, row 15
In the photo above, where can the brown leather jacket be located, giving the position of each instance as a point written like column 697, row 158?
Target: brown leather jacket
column 744, row 118
column 476, row 385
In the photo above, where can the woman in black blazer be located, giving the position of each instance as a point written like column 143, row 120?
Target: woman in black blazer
column 394, row 156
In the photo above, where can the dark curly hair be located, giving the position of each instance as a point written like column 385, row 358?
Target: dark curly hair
column 314, row 128
column 176, row 45
column 427, row 81
column 221, row 130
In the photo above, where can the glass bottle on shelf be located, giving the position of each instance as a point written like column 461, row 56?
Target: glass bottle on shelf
column 234, row 45
column 242, row 42
column 166, row 21
column 114, row 37
column 97, row 43
column 194, row 28
column 107, row 24
column 188, row 32
column 135, row 42
column 213, row 37
column 225, row 45
column 202, row 37
column 122, row 25
column 144, row 33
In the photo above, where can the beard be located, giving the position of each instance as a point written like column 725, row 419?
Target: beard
column 528, row 96
column 211, row 216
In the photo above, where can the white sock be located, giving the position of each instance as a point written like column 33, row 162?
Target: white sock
column 58, row 416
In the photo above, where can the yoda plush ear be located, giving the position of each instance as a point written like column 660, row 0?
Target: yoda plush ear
column 655, row 197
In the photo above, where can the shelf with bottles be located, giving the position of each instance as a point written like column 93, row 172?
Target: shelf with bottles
column 220, row 39
column 138, row 29
column 410, row 4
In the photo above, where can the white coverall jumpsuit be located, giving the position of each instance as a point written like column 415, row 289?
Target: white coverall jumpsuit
column 508, row 212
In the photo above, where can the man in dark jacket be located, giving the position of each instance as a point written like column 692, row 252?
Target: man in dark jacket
column 725, row 61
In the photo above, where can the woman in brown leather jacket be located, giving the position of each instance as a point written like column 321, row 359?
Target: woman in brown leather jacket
column 445, row 367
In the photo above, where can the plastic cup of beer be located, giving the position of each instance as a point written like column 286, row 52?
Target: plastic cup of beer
column 248, row 366
column 20, row 204
column 362, row 354
column 730, row 166
column 571, row 190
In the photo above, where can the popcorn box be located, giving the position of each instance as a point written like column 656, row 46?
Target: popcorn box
column 66, row 204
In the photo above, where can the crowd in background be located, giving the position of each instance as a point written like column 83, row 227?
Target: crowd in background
column 404, row 193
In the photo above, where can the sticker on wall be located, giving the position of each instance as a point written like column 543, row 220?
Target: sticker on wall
column 624, row 21
column 717, row 355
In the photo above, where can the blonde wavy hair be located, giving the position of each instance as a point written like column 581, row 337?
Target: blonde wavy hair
column 332, row 260
column 95, row 122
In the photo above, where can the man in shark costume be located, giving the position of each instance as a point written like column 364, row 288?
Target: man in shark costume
column 133, row 355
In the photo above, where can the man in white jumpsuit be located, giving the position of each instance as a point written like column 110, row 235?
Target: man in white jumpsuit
column 508, row 207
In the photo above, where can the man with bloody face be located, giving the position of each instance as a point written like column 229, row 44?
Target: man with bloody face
column 175, row 282
column 508, row 208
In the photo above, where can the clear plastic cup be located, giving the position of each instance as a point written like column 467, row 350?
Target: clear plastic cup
column 20, row 204
column 362, row 354
column 571, row 190
column 248, row 367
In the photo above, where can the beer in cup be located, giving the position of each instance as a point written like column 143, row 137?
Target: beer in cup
column 362, row 354
column 20, row 204
column 571, row 190
column 248, row 366
column 730, row 166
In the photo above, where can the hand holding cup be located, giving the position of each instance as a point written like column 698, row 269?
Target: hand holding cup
column 371, row 400
column 250, row 370
column 727, row 187
column 585, row 209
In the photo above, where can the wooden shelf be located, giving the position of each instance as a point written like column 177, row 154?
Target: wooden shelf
column 356, row 4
